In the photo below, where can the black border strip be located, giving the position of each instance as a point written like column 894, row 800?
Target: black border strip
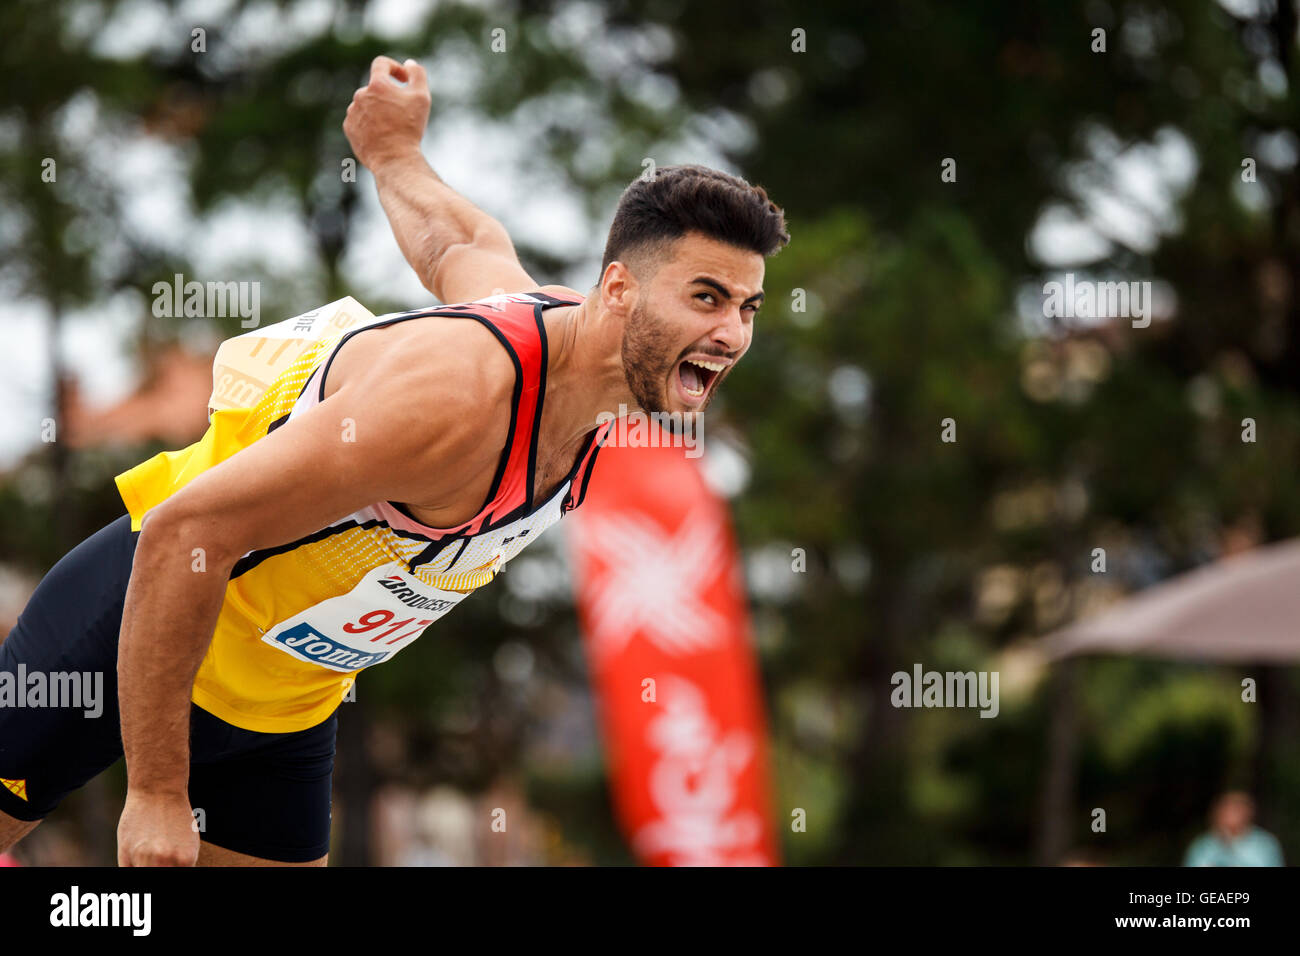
column 591, row 466
column 254, row 558
column 541, row 396
column 514, row 414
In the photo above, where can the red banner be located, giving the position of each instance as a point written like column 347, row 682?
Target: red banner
column 662, row 603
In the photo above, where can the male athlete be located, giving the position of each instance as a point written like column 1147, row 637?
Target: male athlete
column 383, row 476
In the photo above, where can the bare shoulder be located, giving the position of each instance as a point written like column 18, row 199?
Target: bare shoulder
column 455, row 365
column 432, row 355
column 441, row 385
column 419, row 413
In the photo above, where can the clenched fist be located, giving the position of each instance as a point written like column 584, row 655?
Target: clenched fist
column 386, row 119
column 157, row 830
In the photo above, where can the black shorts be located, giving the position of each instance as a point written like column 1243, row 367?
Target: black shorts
column 267, row 795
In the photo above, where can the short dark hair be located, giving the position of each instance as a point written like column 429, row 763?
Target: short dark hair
column 680, row 199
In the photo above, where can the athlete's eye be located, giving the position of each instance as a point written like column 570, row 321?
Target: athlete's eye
column 705, row 295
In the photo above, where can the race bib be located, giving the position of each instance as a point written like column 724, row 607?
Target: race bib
column 385, row 612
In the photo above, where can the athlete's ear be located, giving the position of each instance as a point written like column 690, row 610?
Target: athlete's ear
column 618, row 289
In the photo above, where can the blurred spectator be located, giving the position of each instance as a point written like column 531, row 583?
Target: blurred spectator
column 1233, row 839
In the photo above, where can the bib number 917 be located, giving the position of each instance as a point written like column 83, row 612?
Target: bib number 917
column 384, row 613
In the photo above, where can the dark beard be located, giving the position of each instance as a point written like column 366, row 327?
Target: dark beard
column 645, row 341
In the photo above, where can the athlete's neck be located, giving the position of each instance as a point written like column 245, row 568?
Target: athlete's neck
column 584, row 376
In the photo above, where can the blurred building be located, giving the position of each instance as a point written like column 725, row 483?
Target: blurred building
column 168, row 405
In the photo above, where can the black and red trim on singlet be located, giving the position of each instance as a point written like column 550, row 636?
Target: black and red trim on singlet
column 518, row 326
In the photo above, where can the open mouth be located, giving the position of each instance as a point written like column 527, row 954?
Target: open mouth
column 695, row 376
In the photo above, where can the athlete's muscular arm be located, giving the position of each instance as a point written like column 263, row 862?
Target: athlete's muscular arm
column 168, row 605
column 417, row 432
column 459, row 252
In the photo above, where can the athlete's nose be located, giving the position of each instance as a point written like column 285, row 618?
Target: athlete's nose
column 730, row 334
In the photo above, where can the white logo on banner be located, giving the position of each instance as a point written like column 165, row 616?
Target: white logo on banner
column 654, row 582
column 693, row 784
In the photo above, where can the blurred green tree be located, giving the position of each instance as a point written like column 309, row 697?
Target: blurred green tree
column 1163, row 148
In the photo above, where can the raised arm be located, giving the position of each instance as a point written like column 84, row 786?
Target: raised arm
column 458, row 251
